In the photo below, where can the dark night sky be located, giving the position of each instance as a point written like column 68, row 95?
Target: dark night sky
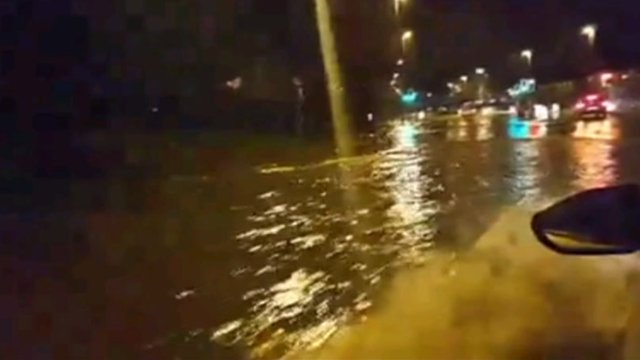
column 489, row 32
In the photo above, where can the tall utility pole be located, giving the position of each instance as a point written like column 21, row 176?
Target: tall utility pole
column 341, row 118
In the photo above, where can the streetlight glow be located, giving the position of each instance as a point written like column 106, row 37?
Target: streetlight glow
column 527, row 54
column 400, row 62
column 481, row 71
column 464, row 78
column 407, row 35
column 590, row 32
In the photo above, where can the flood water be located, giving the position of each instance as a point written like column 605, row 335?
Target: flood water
column 261, row 247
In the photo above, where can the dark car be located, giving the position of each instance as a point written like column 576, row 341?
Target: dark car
column 447, row 109
column 593, row 106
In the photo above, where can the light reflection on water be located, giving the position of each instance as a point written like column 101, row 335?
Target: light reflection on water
column 526, row 173
column 317, row 260
column 595, row 165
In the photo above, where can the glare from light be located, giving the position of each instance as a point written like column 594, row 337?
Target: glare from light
column 590, row 32
column 540, row 112
column 450, row 85
column 370, row 117
column 407, row 35
column 396, row 75
column 526, row 130
column 606, row 78
column 408, row 184
column 610, row 106
column 595, row 130
column 594, row 162
column 484, row 130
column 429, row 94
column 528, row 55
column 464, row 78
column 234, row 84
column 400, row 62
column 555, row 111
column 488, row 111
column 481, row 71
column 409, row 97
column 406, row 135
column 458, row 133
column 422, row 115
column 526, row 175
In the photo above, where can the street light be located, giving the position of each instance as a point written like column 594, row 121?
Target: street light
column 406, row 37
column 481, row 71
column 400, row 62
column 527, row 54
column 590, row 31
column 464, row 78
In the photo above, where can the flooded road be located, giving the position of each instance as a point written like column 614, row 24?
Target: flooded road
column 260, row 248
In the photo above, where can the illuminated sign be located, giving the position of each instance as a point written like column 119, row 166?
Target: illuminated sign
column 520, row 130
column 410, row 97
column 523, row 88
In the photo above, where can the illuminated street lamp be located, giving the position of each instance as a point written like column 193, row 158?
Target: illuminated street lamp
column 406, row 37
column 400, row 62
column 464, row 78
column 590, row 31
column 528, row 55
column 481, row 71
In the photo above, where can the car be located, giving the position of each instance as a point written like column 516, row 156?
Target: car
column 447, row 109
column 468, row 108
column 594, row 106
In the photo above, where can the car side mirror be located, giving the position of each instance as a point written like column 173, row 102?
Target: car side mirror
column 595, row 222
